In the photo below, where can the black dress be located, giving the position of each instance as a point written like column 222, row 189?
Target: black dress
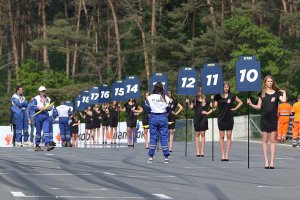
column 200, row 120
column 131, row 119
column 104, row 116
column 96, row 120
column 269, row 107
column 225, row 118
column 89, row 124
column 74, row 129
column 171, row 116
column 113, row 116
column 145, row 118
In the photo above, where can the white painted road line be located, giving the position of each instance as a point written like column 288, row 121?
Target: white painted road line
column 278, row 187
column 53, row 174
column 133, row 176
column 162, row 196
column 108, row 173
column 18, row 194
column 83, row 189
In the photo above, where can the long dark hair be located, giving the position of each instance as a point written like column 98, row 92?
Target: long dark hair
column 159, row 88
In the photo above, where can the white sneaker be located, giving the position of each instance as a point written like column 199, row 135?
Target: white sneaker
column 42, row 144
column 150, row 160
column 27, row 144
column 19, row 144
column 166, row 160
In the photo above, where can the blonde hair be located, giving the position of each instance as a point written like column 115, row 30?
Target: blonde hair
column 264, row 87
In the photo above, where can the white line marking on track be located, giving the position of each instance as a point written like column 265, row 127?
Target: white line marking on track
column 33, row 161
column 83, row 189
column 49, row 154
column 53, row 174
column 133, row 176
column 284, row 158
column 278, row 187
column 162, row 196
column 18, row 194
column 108, row 173
column 3, row 173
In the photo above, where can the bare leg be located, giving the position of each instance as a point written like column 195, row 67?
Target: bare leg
column 146, row 137
column 273, row 146
column 73, row 138
column 85, row 135
column 98, row 135
column 103, row 129
column 128, row 135
column 171, row 139
column 265, row 147
column 133, row 132
column 228, row 145
column 115, row 134
column 222, row 135
column 202, row 142
column 106, row 132
column 197, row 142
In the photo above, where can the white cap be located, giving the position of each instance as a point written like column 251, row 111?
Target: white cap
column 42, row 88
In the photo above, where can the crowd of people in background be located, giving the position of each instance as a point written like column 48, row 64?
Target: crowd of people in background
column 40, row 114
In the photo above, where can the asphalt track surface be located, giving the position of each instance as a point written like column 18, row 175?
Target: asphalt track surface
column 123, row 173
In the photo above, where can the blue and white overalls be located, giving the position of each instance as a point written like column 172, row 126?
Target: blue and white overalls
column 158, row 122
column 19, row 105
column 42, row 119
column 64, row 112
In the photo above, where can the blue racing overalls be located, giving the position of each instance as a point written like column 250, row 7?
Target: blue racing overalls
column 158, row 122
column 19, row 105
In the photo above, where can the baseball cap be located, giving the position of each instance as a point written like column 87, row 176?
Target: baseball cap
column 42, row 88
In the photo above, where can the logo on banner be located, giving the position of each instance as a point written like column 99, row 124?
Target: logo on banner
column 8, row 138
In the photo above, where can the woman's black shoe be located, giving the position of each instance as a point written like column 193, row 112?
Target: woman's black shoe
column 267, row 167
column 202, row 155
column 223, row 159
column 272, row 167
column 198, row 155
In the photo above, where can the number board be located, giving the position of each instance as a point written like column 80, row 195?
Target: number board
column 132, row 88
column 212, row 79
column 85, row 98
column 104, row 94
column 70, row 104
column 159, row 77
column 94, row 95
column 248, row 75
column 187, row 81
column 78, row 106
column 118, row 91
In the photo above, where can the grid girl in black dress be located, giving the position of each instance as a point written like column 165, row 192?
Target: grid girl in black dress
column 268, row 101
column 225, row 118
column 114, row 110
column 200, row 105
column 172, row 117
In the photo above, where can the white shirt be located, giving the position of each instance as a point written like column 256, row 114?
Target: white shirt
column 42, row 103
column 63, row 111
column 157, row 103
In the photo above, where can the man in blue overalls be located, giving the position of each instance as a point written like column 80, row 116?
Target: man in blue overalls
column 41, row 104
column 157, row 105
column 19, row 105
column 64, row 113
